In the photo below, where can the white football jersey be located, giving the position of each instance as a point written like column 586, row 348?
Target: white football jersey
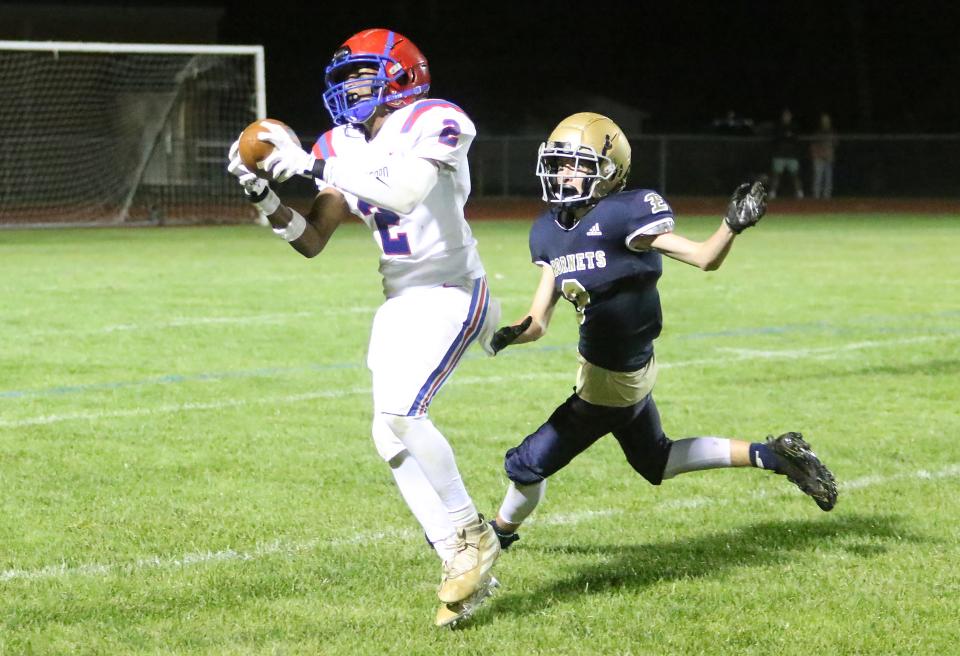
column 432, row 244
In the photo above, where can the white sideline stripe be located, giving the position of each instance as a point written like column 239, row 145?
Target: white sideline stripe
column 833, row 350
column 274, row 547
column 233, row 403
column 477, row 380
column 180, row 407
column 180, row 322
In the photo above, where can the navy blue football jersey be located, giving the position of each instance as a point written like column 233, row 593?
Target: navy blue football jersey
column 613, row 288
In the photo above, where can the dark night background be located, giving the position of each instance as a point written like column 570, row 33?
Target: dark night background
column 517, row 67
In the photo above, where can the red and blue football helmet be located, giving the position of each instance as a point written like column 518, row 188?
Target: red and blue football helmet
column 401, row 77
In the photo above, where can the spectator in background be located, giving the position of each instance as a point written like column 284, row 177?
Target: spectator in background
column 785, row 155
column 822, row 150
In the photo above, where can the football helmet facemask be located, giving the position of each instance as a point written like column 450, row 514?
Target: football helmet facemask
column 372, row 68
column 584, row 146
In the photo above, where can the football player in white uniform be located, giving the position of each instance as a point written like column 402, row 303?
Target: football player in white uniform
column 398, row 161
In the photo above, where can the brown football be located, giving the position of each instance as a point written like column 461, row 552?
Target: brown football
column 252, row 149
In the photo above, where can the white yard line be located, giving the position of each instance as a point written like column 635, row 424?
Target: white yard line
column 186, row 322
column 292, row 549
column 229, row 403
column 739, row 355
column 175, row 408
column 181, row 322
column 233, row 403
column 834, row 350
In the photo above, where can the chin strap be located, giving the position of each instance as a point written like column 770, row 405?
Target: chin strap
column 420, row 89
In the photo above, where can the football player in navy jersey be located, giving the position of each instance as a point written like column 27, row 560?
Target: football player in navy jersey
column 600, row 248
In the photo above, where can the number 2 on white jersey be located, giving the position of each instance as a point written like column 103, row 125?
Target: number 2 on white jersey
column 385, row 219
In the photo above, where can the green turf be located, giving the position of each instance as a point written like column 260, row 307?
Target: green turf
column 186, row 467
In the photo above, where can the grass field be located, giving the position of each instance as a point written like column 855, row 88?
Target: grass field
column 185, row 463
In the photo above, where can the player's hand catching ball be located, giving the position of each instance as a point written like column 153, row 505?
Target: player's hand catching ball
column 505, row 336
column 252, row 185
column 747, row 206
column 288, row 158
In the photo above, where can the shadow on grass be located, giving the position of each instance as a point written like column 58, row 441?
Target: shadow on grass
column 707, row 556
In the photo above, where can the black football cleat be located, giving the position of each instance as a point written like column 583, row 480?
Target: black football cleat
column 506, row 539
column 800, row 464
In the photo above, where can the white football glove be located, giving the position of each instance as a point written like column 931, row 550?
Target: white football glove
column 252, row 185
column 287, row 159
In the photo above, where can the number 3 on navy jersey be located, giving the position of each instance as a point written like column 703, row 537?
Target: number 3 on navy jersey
column 577, row 294
column 385, row 219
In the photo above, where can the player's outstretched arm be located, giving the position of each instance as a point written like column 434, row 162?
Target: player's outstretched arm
column 328, row 211
column 395, row 182
column 307, row 235
column 747, row 206
column 707, row 255
column 398, row 183
column 534, row 324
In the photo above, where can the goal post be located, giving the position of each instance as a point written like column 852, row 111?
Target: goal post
column 122, row 133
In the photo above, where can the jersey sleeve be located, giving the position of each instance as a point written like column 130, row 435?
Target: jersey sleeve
column 649, row 215
column 537, row 252
column 323, row 148
column 443, row 132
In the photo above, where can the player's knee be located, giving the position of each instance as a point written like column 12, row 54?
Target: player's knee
column 385, row 435
column 416, row 434
column 519, row 470
column 399, row 425
column 652, row 464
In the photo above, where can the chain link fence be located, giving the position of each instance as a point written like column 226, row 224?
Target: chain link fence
column 704, row 165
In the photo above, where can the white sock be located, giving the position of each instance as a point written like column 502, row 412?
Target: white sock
column 435, row 458
column 520, row 501
column 696, row 453
column 423, row 502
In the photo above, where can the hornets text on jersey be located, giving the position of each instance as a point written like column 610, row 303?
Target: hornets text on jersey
column 612, row 287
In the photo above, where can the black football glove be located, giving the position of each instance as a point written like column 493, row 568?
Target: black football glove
column 747, row 206
column 504, row 336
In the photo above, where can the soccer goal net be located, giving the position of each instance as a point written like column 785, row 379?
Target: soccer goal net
column 99, row 133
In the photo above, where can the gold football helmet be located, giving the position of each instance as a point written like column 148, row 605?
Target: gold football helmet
column 587, row 146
